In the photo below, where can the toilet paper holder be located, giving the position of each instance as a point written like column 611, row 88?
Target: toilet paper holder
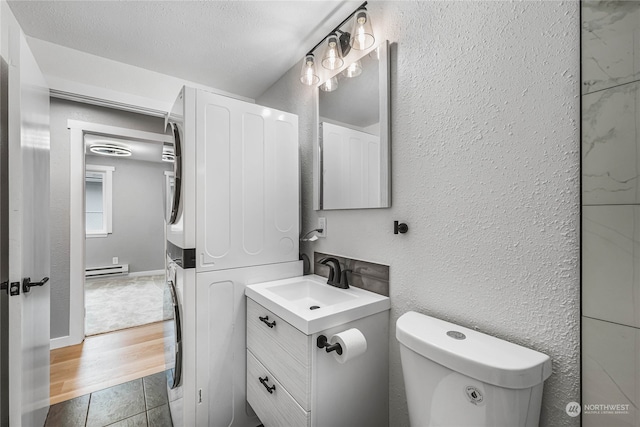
column 323, row 342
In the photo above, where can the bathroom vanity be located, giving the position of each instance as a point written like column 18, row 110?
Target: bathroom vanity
column 291, row 381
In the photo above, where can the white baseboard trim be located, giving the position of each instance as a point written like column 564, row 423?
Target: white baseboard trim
column 146, row 273
column 60, row 342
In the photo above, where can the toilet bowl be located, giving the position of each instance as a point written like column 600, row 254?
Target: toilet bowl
column 455, row 376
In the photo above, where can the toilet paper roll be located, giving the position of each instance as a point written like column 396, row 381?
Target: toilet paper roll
column 353, row 344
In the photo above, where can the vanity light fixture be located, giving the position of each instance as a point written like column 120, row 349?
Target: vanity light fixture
column 362, row 34
column 338, row 47
column 332, row 58
column 108, row 149
column 309, row 75
column 330, row 85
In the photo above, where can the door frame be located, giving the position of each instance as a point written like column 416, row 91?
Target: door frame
column 77, row 131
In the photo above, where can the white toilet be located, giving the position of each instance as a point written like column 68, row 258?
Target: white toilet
column 458, row 377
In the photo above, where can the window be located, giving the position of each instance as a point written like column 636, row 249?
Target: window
column 98, row 199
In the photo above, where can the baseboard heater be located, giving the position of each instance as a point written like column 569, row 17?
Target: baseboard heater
column 109, row 270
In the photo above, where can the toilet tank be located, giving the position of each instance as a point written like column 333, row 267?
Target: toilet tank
column 455, row 376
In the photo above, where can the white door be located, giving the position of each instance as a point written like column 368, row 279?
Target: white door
column 26, row 105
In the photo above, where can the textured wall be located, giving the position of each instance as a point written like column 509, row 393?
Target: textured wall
column 485, row 157
column 138, row 219
column 61, row 111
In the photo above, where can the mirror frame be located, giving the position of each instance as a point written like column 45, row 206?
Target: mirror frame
column 385, row 127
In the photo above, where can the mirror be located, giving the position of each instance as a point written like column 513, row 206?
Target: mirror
column 352, row 152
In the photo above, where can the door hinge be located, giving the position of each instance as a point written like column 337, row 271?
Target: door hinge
column 200, row 396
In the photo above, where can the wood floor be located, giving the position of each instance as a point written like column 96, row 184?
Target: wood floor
column 106, row 360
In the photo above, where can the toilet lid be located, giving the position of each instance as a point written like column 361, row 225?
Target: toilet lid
column 472, row 353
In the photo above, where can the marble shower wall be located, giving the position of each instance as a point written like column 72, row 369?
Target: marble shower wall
column 611, row 263
column 610, row 367
column 611, row 212
column 610, row 160
column 610, row 42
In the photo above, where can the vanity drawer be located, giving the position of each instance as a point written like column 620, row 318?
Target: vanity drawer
column 283, row 349
column 282, row 333
column 274, row 409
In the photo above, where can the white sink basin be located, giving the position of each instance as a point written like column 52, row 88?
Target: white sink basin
column 309, row 304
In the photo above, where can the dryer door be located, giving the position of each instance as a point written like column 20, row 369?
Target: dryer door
column 173, row 199
column 173, row 336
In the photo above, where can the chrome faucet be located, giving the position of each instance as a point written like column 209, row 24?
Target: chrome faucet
column 337, row 277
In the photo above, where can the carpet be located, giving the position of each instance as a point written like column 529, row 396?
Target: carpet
column 114, row 303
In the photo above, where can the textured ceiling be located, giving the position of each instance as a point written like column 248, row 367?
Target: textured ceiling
column 242, row 47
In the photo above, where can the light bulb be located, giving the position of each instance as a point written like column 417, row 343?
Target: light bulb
column 332, row 59
column 362, row 34
column 308, row 75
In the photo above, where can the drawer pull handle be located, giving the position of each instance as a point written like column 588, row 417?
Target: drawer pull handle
column 264, row 383
column 265, row 320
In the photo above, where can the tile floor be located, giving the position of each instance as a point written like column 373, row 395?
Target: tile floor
column 138, row 403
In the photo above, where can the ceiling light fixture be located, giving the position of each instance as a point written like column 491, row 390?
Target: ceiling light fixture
column 108, row 149
column 339, row 46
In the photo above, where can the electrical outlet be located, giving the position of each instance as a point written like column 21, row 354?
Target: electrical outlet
column 322, row 223
column 114, row 260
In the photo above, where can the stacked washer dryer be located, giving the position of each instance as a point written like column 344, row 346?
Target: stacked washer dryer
column 233, row 221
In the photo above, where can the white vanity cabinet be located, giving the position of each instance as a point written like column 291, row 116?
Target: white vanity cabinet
column 291, row 382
